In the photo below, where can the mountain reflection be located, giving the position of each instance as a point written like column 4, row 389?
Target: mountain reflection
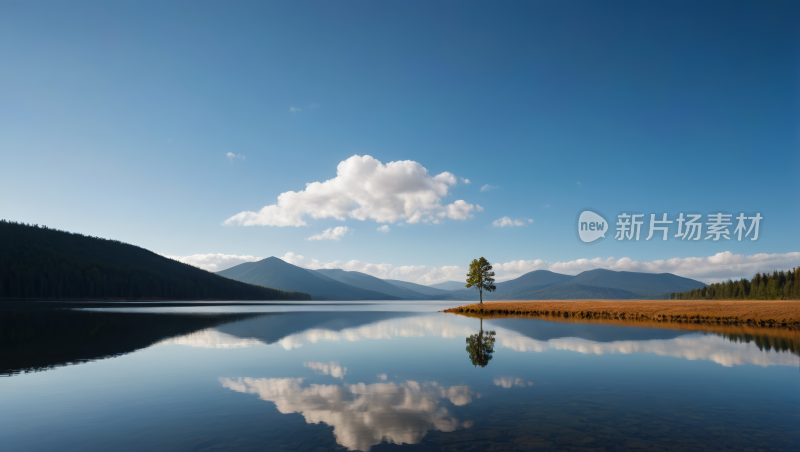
column 41, row 339
column 363, row 415
column 728, row 349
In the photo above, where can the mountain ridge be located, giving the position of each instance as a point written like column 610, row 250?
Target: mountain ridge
column 338, row 284
column 285, row 276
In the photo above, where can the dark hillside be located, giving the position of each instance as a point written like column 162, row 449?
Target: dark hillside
column 42, row 263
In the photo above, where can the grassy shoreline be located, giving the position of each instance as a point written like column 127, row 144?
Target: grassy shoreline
column 766, row 313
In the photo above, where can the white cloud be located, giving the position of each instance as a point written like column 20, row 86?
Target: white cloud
column 384, row 228
column 294, row 109
column 331, row 234
column 382, row 377
column 366, row 189
column 488, row 187
column 332, row 368
column 232, row 156
column 510, row 382
column 718, row 267
column 506, row 221
column 464, row 180
column 214, row 262
column 363, row 415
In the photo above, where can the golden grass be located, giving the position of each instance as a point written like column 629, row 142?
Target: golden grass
column 769, row 313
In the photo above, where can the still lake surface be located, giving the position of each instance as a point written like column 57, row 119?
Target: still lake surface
column 382, row 376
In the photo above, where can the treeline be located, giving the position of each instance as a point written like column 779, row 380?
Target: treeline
column 37, row 262
column 780, row 285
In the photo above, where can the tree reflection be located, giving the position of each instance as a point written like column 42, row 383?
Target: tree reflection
column 480, row 347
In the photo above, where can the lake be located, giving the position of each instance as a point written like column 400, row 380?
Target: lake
column 384, row 376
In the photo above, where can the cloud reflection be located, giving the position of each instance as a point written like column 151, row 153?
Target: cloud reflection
column 690, row 347
column 211, row 338
column 510, row 382
column 363, row 415
column 332, row 368
column 693, row 346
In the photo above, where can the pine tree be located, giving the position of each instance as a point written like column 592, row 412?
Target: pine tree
column 481, row 276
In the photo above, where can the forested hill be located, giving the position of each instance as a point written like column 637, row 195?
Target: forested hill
column 37, row 262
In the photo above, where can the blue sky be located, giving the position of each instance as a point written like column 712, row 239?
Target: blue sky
column 116, row 118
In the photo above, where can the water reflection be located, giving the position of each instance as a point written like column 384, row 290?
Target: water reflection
column 690, row 347
column 332, row 368
column 524, row 335
column 510, row 382
column 363, row 415
column 37, row 339
column 41, row 339
column 480, row 347
column 543, row 390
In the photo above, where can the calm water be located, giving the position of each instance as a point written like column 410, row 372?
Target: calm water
column 387, row 376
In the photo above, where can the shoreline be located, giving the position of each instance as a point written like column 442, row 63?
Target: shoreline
column 759, row 313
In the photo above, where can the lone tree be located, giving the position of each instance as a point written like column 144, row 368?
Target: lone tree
column 480, row 276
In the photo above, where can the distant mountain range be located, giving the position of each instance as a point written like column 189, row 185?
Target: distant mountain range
column 449, row 285
column 592, row 284
column 336, row 284
column 42, row 263
column 274, row 272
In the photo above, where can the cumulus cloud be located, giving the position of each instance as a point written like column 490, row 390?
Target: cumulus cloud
column 214, row 262
column 366, row 189
column 332, row 368
column 232, row 156
column 331, row 234
column 488, row 187
column 382, row 377
column 505, row 221
column 510, row 382
column 384, row 228
column 362, row 415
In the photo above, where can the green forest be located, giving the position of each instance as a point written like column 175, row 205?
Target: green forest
column 37, row 262
column 780, row 285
